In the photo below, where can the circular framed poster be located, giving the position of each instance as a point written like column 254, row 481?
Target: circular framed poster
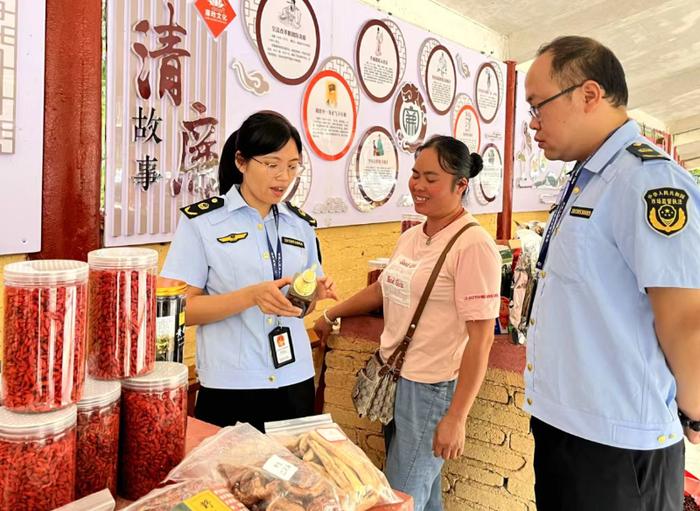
column 410, row 119
column 490, row 179
column 329, row 115
column 400, row 43
column 377, row 60
column 344, row 69
column 487, row 92
column 465, row 123
column 288, row 39
column 373, row 170
column 440, row 79
column 298, row 190
column 250, row 14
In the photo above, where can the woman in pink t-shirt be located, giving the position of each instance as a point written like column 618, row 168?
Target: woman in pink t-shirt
column 447, row 358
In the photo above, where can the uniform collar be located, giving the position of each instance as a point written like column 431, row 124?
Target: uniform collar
column 618, row 139
column 234, row 201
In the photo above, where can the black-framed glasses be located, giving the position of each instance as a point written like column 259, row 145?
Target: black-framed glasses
column 535, row 109
column 276, row 169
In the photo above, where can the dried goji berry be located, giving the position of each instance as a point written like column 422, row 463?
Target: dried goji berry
column 122, row 314
column 98, row 438
column 45, row 334
column 153, row 427
column 37, row 459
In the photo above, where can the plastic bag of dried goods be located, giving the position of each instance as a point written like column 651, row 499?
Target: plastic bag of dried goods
column 318, row 440
column 260, row 473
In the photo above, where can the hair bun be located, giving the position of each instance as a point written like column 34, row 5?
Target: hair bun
column 477, row 164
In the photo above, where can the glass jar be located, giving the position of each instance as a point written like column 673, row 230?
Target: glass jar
column 154, row 423
column 45, row 334
column 409, row 220
column 122, row 313
column 375, row 269
column 37, row 459
column 170, row 320
column 98, row 438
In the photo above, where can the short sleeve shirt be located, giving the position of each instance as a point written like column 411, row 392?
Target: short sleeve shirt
column 594, row 364
column 224, row 250
column 467, row 289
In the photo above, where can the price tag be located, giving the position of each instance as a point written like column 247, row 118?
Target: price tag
column 332, row 434
column 279, row 468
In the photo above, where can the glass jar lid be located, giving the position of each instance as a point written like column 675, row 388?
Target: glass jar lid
column 45, row 272
column 17, row 425
column 170, row 287
column 123, row 257
column 165, row 375
column 99, row 393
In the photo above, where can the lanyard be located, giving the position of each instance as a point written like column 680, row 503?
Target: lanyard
column 558, row 214
column 561, row 207
column 275, row 257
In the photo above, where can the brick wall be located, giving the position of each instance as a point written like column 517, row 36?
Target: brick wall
column 495, row 472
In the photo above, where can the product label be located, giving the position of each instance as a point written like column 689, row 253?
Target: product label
column 279, row 468
column 206, row 501
column 165, row 337
column 332, row 434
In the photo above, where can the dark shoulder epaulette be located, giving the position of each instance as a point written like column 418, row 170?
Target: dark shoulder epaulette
column 202, row 207
column 307, row 218
column 646, row 152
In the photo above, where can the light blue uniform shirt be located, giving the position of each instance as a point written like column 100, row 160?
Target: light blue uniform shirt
column 234, row 353
column 594, row 365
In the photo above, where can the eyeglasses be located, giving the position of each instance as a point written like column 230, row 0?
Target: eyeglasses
column 276, row 169
column 535, row 109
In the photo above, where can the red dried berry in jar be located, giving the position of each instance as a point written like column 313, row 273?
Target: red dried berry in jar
column 122, row 312
column 153, row 428
column 37, row 459
column 45, row 334
column 98, row 438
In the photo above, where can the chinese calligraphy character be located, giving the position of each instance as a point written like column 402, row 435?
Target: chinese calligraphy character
column 196, row 144
column 147, row 173
column 170, row 68
column 149, row 130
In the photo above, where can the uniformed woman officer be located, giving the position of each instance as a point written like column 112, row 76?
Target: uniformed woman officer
column 238, row 252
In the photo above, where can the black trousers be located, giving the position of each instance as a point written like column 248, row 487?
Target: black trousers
column 574, row 474
column 225, row 407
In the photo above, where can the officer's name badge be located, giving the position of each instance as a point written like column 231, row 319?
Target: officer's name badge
column 234, row 237
column 581, row 212
column 293, row 242
column 666, row 210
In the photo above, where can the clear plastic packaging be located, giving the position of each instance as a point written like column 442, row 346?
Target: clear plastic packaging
column 98, row 438
column 193, row 494
column 259, row 472
column 122, row 314
column 37, row 459
column 154, row 424
column 45, row 334
column 375, row 267
column 409, row 220
column 100, row 501
column 320, row 441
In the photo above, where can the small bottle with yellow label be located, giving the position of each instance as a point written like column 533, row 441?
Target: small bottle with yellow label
column 303, row 289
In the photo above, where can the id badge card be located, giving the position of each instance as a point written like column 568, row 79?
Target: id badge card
column 281, row 346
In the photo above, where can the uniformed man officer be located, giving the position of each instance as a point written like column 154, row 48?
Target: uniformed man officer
column 613, row 349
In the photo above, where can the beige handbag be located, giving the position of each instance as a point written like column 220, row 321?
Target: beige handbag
column 375, row 388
